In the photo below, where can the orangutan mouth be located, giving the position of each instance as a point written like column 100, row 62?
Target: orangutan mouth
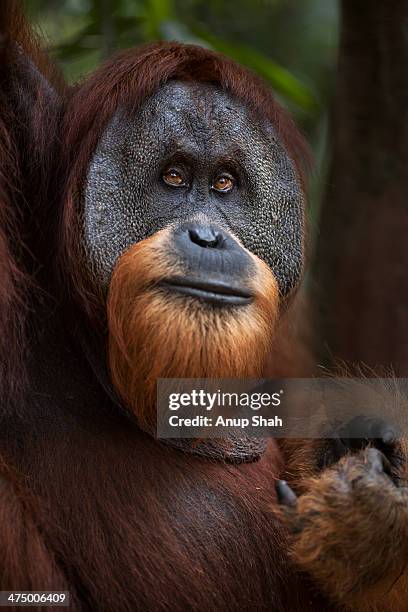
column 219, row 292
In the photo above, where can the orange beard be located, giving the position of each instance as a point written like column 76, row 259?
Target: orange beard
column 156, row 334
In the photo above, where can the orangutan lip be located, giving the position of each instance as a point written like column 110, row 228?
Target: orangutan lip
column 216, row 292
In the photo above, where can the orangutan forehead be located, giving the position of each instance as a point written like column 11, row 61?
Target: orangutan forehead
column 187, row 115
column 200, row 106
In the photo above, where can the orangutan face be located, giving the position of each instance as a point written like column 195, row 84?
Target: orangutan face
column 193, row 226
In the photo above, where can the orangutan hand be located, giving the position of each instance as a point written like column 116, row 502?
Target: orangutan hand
column 350, row 531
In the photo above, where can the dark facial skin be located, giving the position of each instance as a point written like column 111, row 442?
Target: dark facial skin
column 195, row 155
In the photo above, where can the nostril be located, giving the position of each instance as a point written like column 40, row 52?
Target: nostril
column 206, row 237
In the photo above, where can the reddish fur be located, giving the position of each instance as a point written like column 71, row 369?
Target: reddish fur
column 159, row 531
column 153, row 335
column 26, row 558
column 13, row 280
column 26, row 135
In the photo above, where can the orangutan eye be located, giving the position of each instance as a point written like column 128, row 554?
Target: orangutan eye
column 173, row 177
column 223, row 183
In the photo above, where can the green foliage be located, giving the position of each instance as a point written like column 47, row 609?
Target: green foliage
column 282, row 81
column 84, row 32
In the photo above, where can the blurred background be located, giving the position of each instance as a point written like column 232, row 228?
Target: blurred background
column 291, row 44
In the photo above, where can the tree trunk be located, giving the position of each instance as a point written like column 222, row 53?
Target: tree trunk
column 362, row 253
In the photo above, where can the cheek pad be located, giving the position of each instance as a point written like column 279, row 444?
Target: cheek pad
column 277, row 239
column 117, row 198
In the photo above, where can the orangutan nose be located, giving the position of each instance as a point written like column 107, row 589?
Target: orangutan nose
column 206, row 236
